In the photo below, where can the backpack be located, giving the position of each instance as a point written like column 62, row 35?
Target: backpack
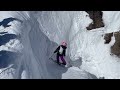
column 61, row 50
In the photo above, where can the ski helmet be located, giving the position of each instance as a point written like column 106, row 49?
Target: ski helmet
column 64, row 43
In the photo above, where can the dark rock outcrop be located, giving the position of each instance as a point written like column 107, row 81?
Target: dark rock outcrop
column 115, row 49
column 96, row 16
column 108, row 37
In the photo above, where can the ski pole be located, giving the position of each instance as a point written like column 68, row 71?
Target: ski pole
column 51, row 56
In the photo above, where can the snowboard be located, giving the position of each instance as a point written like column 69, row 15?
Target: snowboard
column 60, row 63
column 56, row 62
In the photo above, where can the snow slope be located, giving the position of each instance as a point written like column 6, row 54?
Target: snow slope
column 41, row 32
column 89, row 45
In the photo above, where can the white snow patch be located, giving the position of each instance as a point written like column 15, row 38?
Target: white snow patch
column 7, row 73
column 111, row 20
column 75, row 73
column 24, row 75
column 13, row 45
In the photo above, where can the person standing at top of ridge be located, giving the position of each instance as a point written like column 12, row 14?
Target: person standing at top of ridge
column 61, row 53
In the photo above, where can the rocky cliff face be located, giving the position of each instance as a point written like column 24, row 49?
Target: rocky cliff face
column 96, row 16
column 115, row 49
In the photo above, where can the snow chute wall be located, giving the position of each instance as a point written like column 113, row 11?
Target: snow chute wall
column 63, row 26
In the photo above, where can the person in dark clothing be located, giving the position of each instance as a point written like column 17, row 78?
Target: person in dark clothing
column 61, row 52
